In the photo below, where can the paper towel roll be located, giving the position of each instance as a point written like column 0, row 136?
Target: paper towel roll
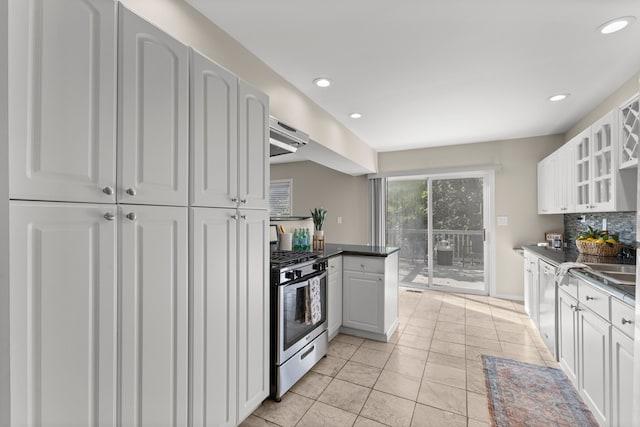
column 285, row 241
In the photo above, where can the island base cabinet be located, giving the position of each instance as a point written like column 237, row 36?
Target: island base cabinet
column 63, row 314
column 621, row 379
column 593, row 358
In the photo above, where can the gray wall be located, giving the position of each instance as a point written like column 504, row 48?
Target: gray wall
column 341, row 195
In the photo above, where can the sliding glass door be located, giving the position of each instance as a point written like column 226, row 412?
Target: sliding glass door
column 439, row 223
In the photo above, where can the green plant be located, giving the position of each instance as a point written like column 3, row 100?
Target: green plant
column 319, row 215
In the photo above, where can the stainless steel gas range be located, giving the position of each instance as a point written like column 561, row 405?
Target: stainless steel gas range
column 298, row 316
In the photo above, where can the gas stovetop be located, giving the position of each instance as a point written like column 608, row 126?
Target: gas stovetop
column 280, row 259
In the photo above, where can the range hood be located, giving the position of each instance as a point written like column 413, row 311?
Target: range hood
column 285, row 139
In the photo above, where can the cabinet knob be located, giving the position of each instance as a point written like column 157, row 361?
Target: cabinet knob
column 131, row 191
column 575, row 308
column 107, row 190
column 625, row 321
column 131, row 216
column 234, row 199
column 243, row 201
column 243, row 216
column 109, row 216
column 588, row 298
column 234, row 216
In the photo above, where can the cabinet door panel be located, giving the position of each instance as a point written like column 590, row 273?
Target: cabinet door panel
column 154, row 108
column 153, row 288
column 214, row 329
column 567, row 336
column 253, row 311
column 253, row 140
column 622, row 379
column 593, row 355
column 214, row 138
column 334, row 297
column 62, row 92
column 363, row 305
column 63, row 315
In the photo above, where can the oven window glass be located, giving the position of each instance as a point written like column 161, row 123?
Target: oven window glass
column 304, row 308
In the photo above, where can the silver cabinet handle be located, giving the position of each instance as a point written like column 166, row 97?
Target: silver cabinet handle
column 243, row 201
column 625, row 321
column 131, row 191
column 243, row 216
column 109, row 216
column 234, row 199
column 131, row 216
column 107, row 190
column 588, row 298
column 234, row 216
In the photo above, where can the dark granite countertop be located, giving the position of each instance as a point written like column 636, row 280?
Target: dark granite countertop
column 333, row 249
column 558, row 256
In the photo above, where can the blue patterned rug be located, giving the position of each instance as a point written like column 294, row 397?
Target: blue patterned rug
column 521, row 394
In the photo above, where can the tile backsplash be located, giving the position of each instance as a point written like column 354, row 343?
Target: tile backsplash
column 622, row 223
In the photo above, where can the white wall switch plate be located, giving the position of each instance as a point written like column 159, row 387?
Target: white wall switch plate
column 503, row 220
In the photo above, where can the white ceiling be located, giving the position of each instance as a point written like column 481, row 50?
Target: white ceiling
column 439, row 72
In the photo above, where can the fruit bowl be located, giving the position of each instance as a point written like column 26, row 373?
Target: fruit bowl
column 598, row 248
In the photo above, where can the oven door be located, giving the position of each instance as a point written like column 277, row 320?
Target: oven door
column 302, row 314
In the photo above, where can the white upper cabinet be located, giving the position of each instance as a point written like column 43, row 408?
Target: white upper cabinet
column 605, row 162
column 629, row 128
column 153, row 115
column 154, row 320
column 62, row 92
column 214, row 134
column 253, row 140
column 63, row 314
column 583, row 170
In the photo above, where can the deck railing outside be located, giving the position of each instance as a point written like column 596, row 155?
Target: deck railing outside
column 413, row 243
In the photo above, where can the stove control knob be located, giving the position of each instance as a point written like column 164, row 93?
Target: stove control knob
column 298, row 273
column 289, row 275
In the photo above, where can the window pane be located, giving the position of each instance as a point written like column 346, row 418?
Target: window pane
column 280, row 197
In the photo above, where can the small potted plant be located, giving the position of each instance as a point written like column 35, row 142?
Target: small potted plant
column 319, row 215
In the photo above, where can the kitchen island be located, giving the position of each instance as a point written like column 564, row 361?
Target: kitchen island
column 362, row 290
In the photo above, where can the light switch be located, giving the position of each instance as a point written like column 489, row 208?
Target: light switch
column 503, row 220
column 339, row 220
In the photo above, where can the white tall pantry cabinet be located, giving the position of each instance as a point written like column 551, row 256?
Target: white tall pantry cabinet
column 131, row 294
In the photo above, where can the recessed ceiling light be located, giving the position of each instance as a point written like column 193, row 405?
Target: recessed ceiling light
column 322, row 82
column 616, row 25
column 355, row 115
column 558, row 97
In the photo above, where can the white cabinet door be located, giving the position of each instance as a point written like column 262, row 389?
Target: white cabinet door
column 594, row 348
column 214, row 137
column 253, row 310
column 544, row 189
column 213, row 316
column 334, row 297
column 253, row 141
column 63, row 314
column 568, row 335
column 153, row 295
column 605, row 164
column 363, row 301
column 153, row 115
column 583, row 173
column 62, row 92
column 621, row 379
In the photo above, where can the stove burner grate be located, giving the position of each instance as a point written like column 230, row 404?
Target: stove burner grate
column 284, row 258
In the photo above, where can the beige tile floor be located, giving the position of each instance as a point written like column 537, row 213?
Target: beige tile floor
column 429, row 374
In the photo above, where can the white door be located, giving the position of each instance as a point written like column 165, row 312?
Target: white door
column 253, row 310
column 568, row 335
column 214, row 134
column 62, row 92
column 153, row 115
column 621, row 379
column 153, row 294
column 213, row 316
column 253, row 140
column 593, row 363
column 63, row 314
column 363, row 301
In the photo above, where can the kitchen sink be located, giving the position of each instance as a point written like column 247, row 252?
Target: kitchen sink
column 620, row 274
column 616, row 268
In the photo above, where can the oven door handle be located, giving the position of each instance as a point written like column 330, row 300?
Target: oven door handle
column 303, row 282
